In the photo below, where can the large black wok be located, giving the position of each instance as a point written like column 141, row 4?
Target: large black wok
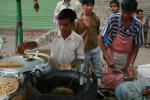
column 83, row 89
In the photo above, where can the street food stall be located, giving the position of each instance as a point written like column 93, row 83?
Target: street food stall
column 27, row 77
column 19, row 80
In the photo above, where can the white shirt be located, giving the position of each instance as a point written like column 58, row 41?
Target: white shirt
column 63, row 51
column 73, row 4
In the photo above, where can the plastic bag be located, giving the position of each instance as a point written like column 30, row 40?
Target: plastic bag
column 1, row 43
column 111, row 77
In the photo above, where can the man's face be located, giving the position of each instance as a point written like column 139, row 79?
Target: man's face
column 140, row 15
column 88, row 8
column 114, row 8
column 65, row 26
column 127, row 15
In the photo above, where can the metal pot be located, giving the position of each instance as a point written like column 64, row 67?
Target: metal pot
column 12, row 75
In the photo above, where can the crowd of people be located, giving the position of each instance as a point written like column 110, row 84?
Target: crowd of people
column 78, row 40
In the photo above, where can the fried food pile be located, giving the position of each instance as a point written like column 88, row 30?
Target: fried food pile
column 8, row 85
column 10, row 64
column 64, row 66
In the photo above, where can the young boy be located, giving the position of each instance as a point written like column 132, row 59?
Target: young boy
column 114, row 6
column 140, row 15
column 125, row 32
column 87, row 25
column 66, row 45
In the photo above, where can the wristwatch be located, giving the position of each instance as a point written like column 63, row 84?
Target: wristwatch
column 130, row 65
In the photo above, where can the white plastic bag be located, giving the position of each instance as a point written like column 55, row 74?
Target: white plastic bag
column 1, row 43
column 144, row 74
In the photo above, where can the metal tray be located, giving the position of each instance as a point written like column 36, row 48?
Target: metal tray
column 28, row 65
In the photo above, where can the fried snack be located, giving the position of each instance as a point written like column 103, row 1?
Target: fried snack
column 8, row 85
column 10, row 64
column 64, row 66
column 62, row 91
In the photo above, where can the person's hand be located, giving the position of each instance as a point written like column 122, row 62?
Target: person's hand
column 36, row 6
column 146, row 92
column 76, row 63
column 131, row 72
column 73, row 65
column 109, row 61
column 21, row 48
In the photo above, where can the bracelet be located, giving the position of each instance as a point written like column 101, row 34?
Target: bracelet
column 24, row 45
column 130, row 65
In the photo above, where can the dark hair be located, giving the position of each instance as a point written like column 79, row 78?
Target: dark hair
column 114, row 2
column 67, row 14
column 139, row 10
column 88, row 1
column 129, row 5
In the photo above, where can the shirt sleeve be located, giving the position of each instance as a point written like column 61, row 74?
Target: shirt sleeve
column 80, row 50
column 139, row 35
column 98, row 23
column 46, row 38
column 56, row 12
column 78, row 26
column 107, row 27
column 78, row 9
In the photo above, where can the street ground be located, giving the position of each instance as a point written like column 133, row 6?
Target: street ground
column 9, row 47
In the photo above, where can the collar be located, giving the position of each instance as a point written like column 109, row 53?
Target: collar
column 93, row 14
column 59, row 33
column 67, row 2
column 71, row 36
column 120, row 21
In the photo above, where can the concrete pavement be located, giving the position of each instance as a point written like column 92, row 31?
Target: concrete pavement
column 9, row 47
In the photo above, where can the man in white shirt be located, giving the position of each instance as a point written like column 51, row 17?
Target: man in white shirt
column 66, row 45
column 75, row 5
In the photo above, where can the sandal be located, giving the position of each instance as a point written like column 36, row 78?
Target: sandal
column 147, row 45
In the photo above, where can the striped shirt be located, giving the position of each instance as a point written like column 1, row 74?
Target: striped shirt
column 114, row 24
